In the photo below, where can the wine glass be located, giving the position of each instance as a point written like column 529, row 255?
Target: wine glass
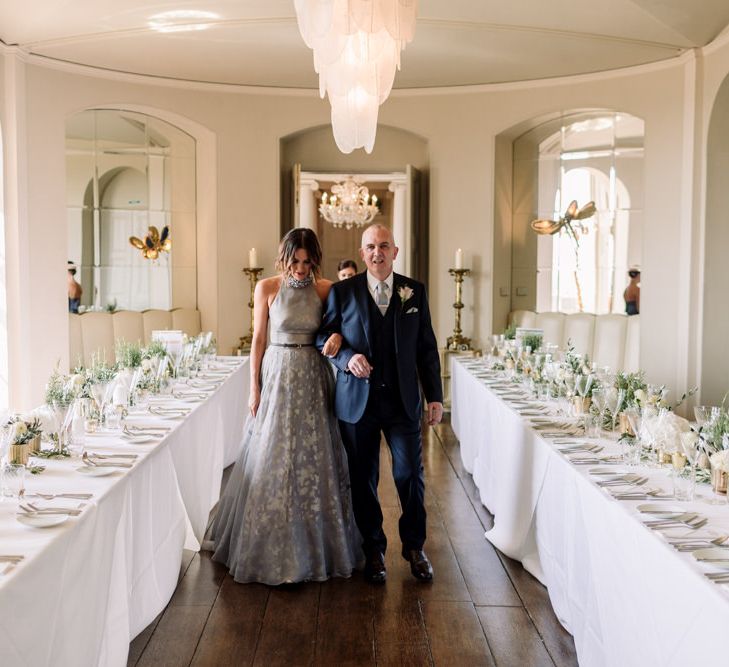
column 599, row 400
column 703, row 414
column 631, row 451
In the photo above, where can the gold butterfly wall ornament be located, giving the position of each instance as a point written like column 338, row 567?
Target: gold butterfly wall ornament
column 154, row 243
column 571, row 214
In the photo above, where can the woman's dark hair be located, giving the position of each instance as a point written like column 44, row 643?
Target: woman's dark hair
column 298, row 239
column 633, row 273
column 347, row 264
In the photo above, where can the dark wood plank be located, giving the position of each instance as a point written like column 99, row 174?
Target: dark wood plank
column 399, row 620
column 139, row 643
column 288, row 636
column 403, row 655
column 176, row 636
column 201, row 582
column 486, row 579
column 559, row 642
column 233, row 628
column 455, row 634
column 345, row 630
column 513, row 638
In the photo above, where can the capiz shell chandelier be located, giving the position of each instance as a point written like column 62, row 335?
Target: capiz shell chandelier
column 350, row 204
column 357, row 45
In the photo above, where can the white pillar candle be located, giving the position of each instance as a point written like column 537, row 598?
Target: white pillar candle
column 252, row 259
column 459, row 259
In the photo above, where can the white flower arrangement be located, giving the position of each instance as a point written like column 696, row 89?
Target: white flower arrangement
column 720, row 460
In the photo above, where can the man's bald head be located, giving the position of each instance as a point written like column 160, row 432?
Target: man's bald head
column 378, row 250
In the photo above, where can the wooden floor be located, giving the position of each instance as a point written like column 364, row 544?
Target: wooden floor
column 481, row 609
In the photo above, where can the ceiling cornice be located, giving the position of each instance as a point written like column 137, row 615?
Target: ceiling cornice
column 185, row 84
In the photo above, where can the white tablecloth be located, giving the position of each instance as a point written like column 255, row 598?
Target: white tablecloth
column 620, row 589
column 89, row 586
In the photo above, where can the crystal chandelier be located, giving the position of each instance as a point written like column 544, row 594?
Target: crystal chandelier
column 349, row 205
column 357, row 45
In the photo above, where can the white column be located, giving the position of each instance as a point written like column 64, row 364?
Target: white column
column 400, row 226
column 307, row 203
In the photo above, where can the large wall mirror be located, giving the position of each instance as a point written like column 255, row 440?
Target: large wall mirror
column 127, row 172
column 589, row 156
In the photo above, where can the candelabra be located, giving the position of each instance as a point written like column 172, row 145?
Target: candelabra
column 457, row 341
column 247, row 340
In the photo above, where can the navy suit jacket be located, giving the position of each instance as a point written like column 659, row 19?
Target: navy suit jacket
column 416, row 349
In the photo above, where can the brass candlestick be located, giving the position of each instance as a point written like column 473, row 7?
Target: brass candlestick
column 457, row 341
column 246, row 341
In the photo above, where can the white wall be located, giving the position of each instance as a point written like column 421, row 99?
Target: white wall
column 460, row 127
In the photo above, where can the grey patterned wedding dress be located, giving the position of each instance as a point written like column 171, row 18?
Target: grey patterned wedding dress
column 286, row 513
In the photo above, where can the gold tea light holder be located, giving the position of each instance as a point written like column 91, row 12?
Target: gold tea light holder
column 581, row 405
column 19, row 453
column 719, row 480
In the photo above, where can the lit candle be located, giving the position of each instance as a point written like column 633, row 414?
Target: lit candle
column 459, row 259
column 252, row 259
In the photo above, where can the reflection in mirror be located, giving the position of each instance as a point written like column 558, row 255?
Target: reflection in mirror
column 585, row 157
column 125, row 173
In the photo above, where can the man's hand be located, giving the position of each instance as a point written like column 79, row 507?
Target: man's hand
column 359, row 366
column 435, row 413
column 331, row 347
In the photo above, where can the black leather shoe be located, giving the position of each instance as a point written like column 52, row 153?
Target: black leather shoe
column 419, row 564
column 375, row 571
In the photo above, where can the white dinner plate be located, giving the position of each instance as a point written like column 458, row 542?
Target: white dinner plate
column 97, row 471
column 41, row 520
column 661, row 509
column 714, row 556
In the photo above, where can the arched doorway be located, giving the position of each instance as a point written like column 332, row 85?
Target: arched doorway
column 397, row 171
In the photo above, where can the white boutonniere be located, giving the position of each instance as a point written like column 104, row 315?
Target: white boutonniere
column 405, row 292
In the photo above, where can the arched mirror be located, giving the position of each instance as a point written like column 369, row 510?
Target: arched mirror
column 589, row 156
column 130, row 175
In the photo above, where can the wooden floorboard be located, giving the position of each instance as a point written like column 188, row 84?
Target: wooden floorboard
column 481, row 609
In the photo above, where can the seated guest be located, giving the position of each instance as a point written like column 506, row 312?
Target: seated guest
column 632, row 292
column 74, row 289
column 346, row 269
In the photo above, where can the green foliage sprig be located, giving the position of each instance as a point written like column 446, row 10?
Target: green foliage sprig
column 631, row 383
column 534, row 341
column 510, row 332
column 128, row 355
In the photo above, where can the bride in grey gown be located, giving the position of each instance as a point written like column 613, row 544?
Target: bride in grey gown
column 286, row 513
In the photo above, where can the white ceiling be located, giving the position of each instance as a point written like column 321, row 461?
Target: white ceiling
column 457, row 42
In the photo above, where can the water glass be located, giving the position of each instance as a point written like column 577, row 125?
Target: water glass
column 684, row 485
column 631, row 451
column 13, row 480
column 113, row 419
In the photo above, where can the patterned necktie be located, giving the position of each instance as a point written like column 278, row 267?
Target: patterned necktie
column 382, row 300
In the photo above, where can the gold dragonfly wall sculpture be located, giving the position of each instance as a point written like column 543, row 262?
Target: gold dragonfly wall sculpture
column 154, row 242
column 572, row 223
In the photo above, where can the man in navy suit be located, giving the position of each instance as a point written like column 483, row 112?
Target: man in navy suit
column 388, row 353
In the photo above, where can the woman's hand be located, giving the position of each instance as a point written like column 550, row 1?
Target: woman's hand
column 254, row 400
column 332, row 346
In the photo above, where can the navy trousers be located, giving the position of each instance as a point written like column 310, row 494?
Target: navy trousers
column 384, row 414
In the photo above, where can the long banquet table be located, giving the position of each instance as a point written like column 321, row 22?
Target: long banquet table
column 624, row 593
column 85, row 588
